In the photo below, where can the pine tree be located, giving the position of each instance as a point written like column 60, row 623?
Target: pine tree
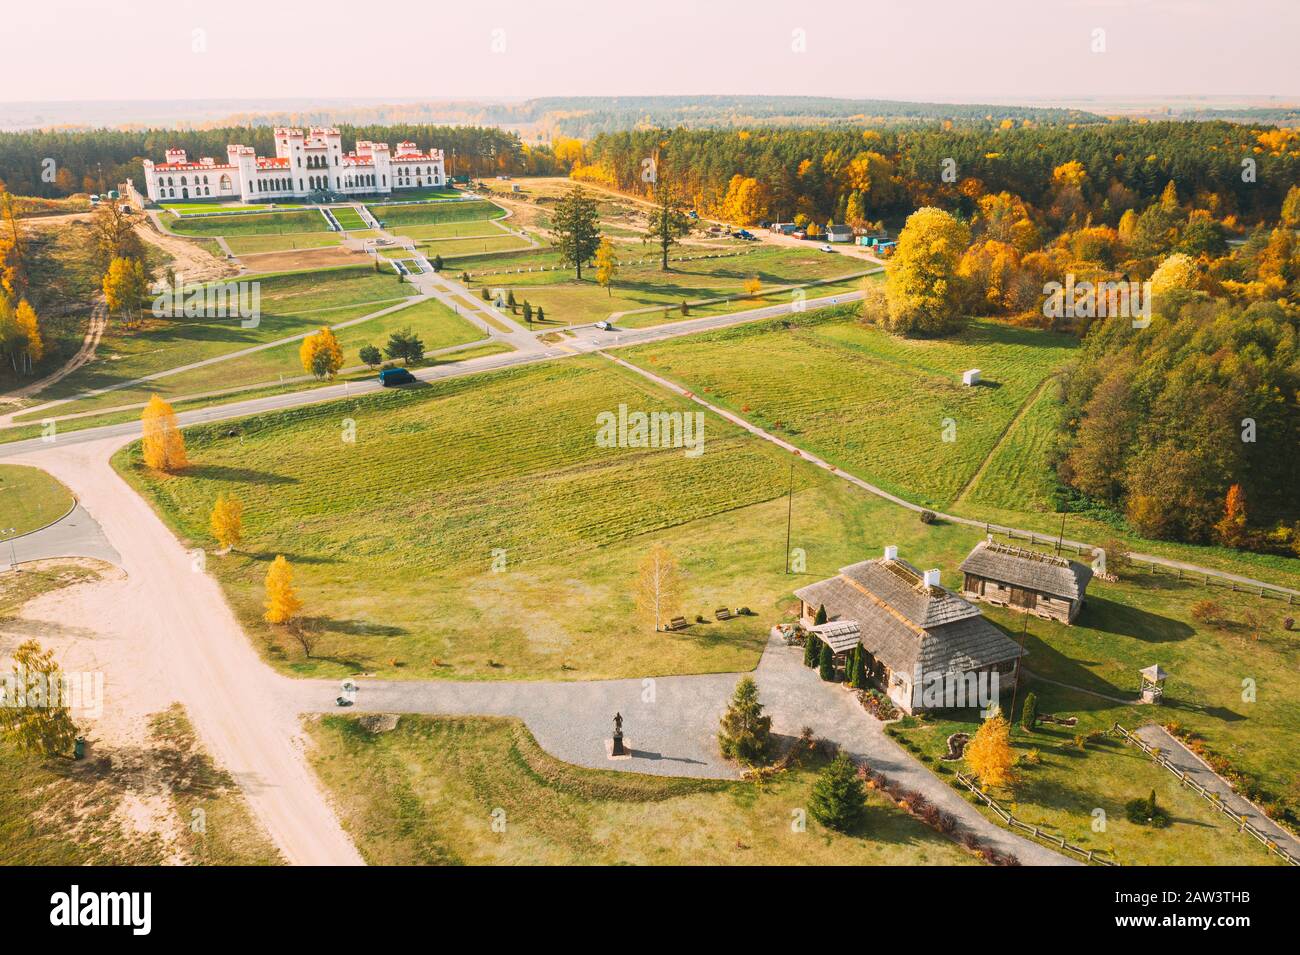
column 859, row 668
column 812, row 653
column 282, row 603
column 1029, row 714
column 827, row 667
column 745, row 733
column 820, row 618
column 227, row 521
column 163, row 444
column 838, row 797
column 576, row 227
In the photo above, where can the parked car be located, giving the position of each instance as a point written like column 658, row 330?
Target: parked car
column 827, row 248
column 746, row 235
column 799, row 234
column 390, row 377
column 605, row 326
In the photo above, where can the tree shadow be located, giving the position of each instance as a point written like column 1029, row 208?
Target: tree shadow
column 217, row 472
column 1107, row 616
column 356, row 628
column 263, row 557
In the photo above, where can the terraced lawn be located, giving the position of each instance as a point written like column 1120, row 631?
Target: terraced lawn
column 263, row 223
column 396, row 215
column 349, row 218
column 291, row 303
column 872, row 403
column 450, row 247
column 452, row 230
column 425, row 793
column 253, row 244
column 29, row 499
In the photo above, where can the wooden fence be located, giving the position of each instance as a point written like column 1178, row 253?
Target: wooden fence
column 1204, row 578
column 1016, row 825
column 1213, row 798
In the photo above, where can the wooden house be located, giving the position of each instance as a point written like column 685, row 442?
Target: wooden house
column 909, row 625
column 1008, row 576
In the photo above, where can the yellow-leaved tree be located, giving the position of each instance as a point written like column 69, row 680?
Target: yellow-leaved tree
column 164, row 445
column 658, row 586
column 753, row 285
column 989, row 754
column 923, row 285
column 29, row 335
column 124, row 287
column 321, row 354
column 282, row 603
column 606, row 265
column 227, row 521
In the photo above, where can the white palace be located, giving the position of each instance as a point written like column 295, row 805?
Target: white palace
column 304, row 165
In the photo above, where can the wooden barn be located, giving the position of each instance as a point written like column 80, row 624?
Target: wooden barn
column 1043, row 584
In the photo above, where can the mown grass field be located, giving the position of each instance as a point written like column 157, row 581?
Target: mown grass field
column 291, row 303
column 1016, row 474
column 452, row 230
column 641, row 284
column 457, row 247
column 424, row 794
column 255, row 223
column 201, row 208
column 29, row 499
column 872, row 403
column 396, row 215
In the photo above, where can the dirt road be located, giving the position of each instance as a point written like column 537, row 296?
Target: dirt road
column 183, row 626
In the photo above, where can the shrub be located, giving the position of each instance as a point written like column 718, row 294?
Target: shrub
column 838, row 797
column 827, row 666
column 1145, row 812
column 1029, row 715
column 928, row 517
column 1206, row 611
column 812, row 653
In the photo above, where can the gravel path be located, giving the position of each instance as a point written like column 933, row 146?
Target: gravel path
column 1184, row 759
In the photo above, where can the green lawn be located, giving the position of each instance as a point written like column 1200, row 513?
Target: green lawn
column 396, row 215
column 291, row 303
column 450, row 247
column 204, row 208
column 29, row 499
column 349, row 218
column 425, row 792
column 1016, row 474
column 252, row 244
column 451, row 230
column 259, row 223
column 641, row 284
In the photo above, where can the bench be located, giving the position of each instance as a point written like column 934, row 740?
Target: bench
column 722, row 613
column 677, row 623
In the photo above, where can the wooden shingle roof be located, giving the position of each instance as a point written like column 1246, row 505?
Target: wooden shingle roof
column 903, row 623
column 1032, row 570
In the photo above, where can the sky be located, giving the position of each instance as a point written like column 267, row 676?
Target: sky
column 949, row 50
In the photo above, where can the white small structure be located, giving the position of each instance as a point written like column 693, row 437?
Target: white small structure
column 970, row 376
column 1153, row 683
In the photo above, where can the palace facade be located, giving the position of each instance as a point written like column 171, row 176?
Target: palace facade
column 305, row 165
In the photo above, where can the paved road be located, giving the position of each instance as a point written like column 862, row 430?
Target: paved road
column 76, row 534
column 671, row 725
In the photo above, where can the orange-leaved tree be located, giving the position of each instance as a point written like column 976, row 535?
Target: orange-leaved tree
column 164, row 445
column 321, row 354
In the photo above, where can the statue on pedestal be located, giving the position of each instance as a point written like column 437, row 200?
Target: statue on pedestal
column 618, row 749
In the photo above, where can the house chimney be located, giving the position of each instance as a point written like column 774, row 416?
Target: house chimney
column 891, row 552
column 932, row 578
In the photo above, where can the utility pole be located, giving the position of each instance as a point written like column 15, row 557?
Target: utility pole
column 789, row 517
column 1015, row 690
column 1060, row 541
